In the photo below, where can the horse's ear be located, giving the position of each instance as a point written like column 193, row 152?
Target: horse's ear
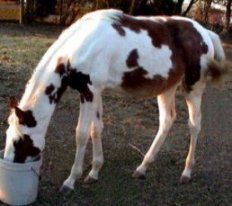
column 13, row 103
column 19, row 113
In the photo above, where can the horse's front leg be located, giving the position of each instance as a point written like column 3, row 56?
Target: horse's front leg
column 95, row 134
column 87, row 110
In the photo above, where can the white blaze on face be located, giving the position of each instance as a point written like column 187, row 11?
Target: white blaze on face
column 11, row 135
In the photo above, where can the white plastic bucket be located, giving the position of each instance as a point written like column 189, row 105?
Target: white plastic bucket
column 19, row 182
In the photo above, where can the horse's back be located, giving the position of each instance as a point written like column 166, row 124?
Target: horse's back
column 140, row 53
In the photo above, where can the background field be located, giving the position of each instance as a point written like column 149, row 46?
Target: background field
column 128, row 121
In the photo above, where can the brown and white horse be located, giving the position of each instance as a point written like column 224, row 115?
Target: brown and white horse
column 142, row 56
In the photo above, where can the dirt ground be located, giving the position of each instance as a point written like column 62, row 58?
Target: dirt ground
column 128, row 121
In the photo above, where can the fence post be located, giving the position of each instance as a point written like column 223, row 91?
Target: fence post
column 61, row 11
column 21, row 20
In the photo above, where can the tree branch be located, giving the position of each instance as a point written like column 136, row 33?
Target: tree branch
column 132, row 7
column 228, row 14
column 189, row 7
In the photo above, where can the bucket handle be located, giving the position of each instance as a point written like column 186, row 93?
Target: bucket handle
column 36, row 173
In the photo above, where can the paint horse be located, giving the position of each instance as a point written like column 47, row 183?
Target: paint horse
column 141, row 56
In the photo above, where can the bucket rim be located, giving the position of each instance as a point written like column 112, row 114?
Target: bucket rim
column 19, row 166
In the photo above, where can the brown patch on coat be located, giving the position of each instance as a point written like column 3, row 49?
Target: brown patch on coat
column 132, row 60
column 60, row 67
column 136, row 82
column 204, row 48
column 50, row 89
column 80, row 82
column 190, row 46
column 98, row 115
column 185, row 42
column 25, row 118
column 69, row 77
column 54, row 94
column 51, row 94
column 119, row 29
column 24, row 148
column 155, row 29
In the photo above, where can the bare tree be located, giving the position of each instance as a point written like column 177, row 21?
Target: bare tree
column 202, row 11
column 21, row 11
column 228, row 15
column 206, row 9
column 132, row 6
column 191, row 3
column 178, row 7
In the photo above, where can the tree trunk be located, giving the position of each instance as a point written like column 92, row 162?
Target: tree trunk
column 132, row 6
column 191, row 3
column 207, row 5
column 21, row 12
column 178, row 7
column 228, row 15
column 29, row 11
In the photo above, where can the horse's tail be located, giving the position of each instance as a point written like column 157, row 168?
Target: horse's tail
column 219, row 53
column 218, row 68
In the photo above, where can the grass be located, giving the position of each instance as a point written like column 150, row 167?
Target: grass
column 128, row 121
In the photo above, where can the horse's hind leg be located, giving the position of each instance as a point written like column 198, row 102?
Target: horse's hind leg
column 193, row 100
column 167, row 115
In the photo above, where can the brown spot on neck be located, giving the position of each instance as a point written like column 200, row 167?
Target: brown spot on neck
column 60, row 69
column 80, row 82
column 25, row 117
column 50, row 89
column 69, row 77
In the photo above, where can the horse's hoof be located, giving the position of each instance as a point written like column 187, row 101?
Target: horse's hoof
column 138, row 175
column 90, row 180
column 184, row 179
column 66, row 190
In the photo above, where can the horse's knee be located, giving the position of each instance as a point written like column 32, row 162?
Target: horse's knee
column 194, row 127
column 167, row 121
column 96, row 129
column 81, row 136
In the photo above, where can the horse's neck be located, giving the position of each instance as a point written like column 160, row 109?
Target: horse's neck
column 35, row 99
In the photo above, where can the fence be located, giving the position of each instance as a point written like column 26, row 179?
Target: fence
column 10, row 10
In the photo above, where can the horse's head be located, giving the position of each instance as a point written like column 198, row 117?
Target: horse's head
column 23, row 143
